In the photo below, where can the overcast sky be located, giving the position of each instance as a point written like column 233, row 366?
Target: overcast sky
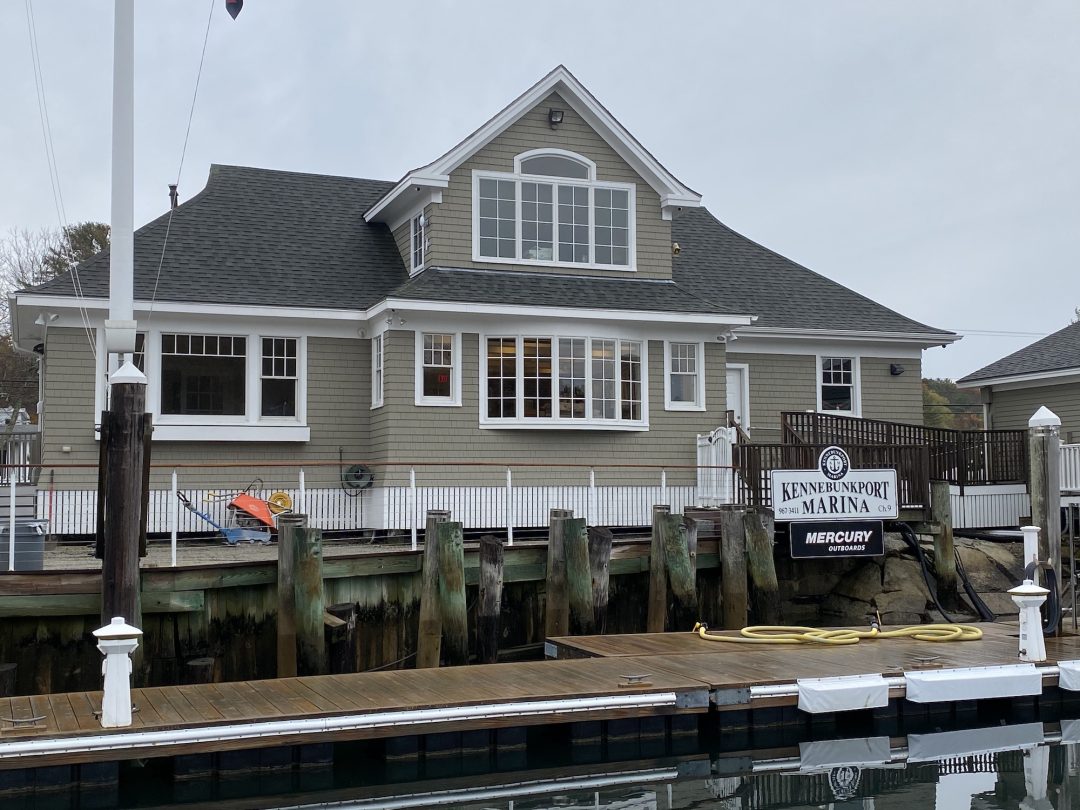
column 921, row 152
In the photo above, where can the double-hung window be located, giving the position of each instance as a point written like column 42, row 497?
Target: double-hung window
column 544, row 379
column 279, row 376
column 437, row 369
column 552, row 210
column 685, row 376
column 838, row 384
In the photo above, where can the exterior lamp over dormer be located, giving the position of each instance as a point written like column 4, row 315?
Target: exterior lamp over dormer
column 554, row 117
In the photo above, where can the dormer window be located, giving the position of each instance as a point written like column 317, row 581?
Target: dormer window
column 553, row 211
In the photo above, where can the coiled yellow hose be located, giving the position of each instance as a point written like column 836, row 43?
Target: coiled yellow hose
column 778, row 634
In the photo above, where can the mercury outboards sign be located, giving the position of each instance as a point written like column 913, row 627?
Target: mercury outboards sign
column 850, row 538
column 834, row 491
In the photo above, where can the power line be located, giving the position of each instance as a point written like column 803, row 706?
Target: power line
column 183, row 154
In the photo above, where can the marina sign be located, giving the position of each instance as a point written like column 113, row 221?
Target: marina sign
column 848, row 538
column 834, row 491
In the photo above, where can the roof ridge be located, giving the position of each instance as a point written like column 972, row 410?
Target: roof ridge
column 295, row 173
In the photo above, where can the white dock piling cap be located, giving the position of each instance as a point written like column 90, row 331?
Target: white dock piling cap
column 1044, row 417
column 1029, row 588
column 117, row 629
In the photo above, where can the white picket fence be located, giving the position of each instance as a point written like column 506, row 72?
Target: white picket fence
column 715, row 474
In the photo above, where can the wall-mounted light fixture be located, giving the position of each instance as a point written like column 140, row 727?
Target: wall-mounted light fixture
column 554, row 117
column 895, row 369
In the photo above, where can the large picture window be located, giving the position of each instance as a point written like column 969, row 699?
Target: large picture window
column 203, row 374
column 573, row 380
column 532, row 216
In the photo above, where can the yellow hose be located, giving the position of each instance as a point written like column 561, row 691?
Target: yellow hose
column 778, row 634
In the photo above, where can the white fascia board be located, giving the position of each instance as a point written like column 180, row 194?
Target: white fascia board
column 397, row 204
column 1059, row 377
column 185, row 308
column 924, row 339
column 573, row 313
column 584, row 104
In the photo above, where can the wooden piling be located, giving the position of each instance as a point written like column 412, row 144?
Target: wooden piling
column 489, row 604
column 657, row 613
column 733, row 582
column 429, row 637
column 578, row 576
column 286, row 597
column 451, row 556
column 199, row 670
column 309, row 600
column 765, row 597
column 342, row 649
column 8, row 674
column 1044, row 486
column 677, row 536
column 944, row 553
column 600, row 540
column 557, row 601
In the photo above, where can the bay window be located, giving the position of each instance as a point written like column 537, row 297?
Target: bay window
column 203, row 375
column 533, row 380
column 552, row 210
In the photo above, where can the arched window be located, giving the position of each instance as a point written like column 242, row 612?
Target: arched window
column 553, row 210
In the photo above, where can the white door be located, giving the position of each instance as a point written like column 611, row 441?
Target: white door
column 737, row 393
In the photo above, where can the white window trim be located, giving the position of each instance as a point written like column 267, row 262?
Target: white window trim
column 574, row 156
column 378, row 356
column 452, row 401
column 413, row 267
column 699, row 395
column 555, row 422
column 592, row 185
column 250, row 426
column 744, row 369
column 856, row 383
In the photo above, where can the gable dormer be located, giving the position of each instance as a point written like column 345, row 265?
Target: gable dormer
column 553, row 182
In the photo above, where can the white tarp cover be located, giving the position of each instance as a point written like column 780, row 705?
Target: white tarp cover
column 821, row 755
column 1070, row 731
column 844, row 694
column 1069, row 675
column 974, row 683
column 927, row 747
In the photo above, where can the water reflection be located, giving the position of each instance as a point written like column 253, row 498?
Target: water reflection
column 1018, row 766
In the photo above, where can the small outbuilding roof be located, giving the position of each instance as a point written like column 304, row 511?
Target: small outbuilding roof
column 1057, row 352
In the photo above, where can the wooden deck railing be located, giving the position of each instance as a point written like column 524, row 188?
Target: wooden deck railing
column 962, row 457
column 754, row 462
column 23, row 448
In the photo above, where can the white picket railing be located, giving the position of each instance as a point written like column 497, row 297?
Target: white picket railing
column 715, row 476
column 20, row 449
column 1070, row 468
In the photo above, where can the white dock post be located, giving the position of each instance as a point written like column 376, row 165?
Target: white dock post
column 117, row 640
column 412, row 505
column 303, row 496
column 509, row 507
column 1029, row 598
column 663, row 487
column 11, row 518
column 174, row 522
column 592, row 516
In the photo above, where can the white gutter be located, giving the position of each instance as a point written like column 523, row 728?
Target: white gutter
column 927, row 338
column 129, row 740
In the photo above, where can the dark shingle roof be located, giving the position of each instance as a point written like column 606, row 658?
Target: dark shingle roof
column 260, row 237
column 551, row 290
column 1055, row 352
column 266, row 237
column 743, row 276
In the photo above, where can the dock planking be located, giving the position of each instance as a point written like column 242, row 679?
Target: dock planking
column 68, row 717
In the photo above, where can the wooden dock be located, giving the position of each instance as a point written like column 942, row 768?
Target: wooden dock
column 672, row 678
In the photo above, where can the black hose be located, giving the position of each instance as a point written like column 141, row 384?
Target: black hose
column 913, row 543
column 985, row 614
column 1052, row 607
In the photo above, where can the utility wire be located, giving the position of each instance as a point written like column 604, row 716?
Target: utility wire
column 50, row 159
column 183, row 154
